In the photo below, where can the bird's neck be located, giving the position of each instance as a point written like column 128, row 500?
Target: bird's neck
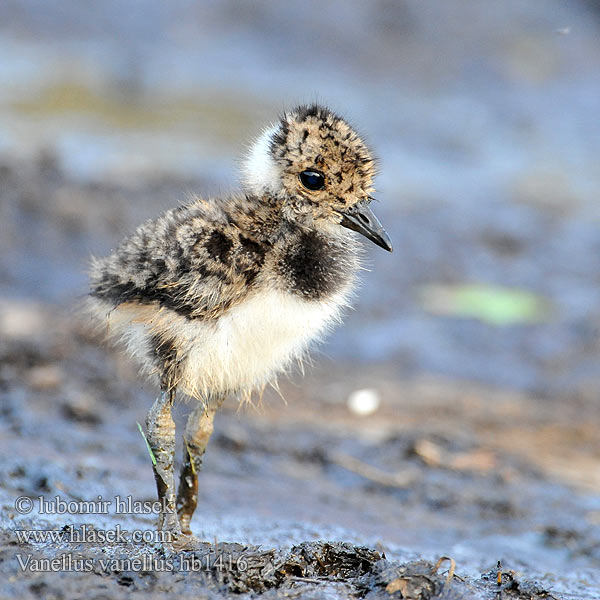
column 275, row 220
column 315, row 261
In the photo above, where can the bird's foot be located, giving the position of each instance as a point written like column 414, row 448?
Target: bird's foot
column 171, row 539
column 186, row 542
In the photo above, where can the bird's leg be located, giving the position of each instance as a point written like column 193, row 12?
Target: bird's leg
column 161, row 438
column 195, row 439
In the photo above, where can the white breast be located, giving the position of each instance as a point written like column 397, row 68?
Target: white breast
column 248, row 345
column 244, row 349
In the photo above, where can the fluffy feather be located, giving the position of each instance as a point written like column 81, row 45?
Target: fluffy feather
column 219, row 296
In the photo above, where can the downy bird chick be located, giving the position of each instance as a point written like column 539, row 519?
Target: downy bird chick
column 220, row 295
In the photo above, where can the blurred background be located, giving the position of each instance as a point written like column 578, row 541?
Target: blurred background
column 484, row 116
column 481, row 327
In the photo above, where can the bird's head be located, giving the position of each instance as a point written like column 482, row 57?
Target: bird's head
column 319, row 170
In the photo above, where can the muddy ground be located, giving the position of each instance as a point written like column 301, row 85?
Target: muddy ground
column 298, row 498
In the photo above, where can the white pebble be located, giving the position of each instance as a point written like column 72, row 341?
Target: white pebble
column 364, row 402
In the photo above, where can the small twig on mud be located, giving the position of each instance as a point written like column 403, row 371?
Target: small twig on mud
column 305, row 580
column 450, row 570
column 433, row 455
column 147, row 445
column 399, row 480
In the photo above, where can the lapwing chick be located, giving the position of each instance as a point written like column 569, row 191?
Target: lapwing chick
column 219, row 296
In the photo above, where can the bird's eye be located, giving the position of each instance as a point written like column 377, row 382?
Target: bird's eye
column 312, row 180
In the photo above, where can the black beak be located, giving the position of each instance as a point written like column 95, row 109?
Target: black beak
column 362, row 219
